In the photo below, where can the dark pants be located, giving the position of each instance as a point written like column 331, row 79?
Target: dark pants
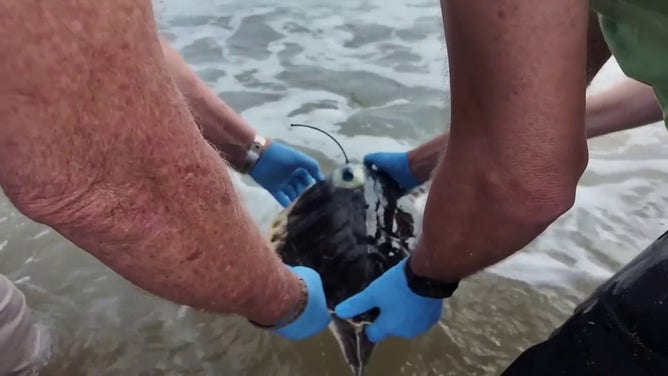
column 621, row 329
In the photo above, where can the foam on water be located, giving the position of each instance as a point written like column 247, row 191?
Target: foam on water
column 373, row 74
column 348, row 68
column 620, row 208
column 311, row 45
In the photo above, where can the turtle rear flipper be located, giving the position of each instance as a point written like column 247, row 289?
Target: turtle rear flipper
column 355, row 346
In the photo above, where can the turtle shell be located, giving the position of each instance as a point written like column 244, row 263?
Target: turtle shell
column 350, row 228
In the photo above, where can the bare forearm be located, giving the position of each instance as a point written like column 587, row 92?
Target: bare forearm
column 628, row 104
column 96, row 142
column 517, row 147
column 219, row 123
column 424, row 158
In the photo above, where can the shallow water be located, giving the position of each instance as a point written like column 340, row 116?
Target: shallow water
column 372, row 73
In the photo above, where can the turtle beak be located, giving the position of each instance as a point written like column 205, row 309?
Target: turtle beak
column 354, row 344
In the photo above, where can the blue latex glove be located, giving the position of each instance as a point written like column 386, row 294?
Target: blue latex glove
column 396, row 165
column 402, row 312
column 316, row 316
column 285, row 172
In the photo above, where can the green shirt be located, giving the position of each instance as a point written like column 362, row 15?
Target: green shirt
column 637, row 33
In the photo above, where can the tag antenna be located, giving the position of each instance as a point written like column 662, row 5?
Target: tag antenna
column 328, row 135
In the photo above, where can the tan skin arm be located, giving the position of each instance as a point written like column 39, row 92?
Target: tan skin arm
column 517, row 144
column 97, row 143
column 628, row 104
column 219, row 123
column 424, row 158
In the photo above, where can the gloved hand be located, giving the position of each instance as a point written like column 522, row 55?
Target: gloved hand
column 396, row 165
column 402, row 312
column 316, row 316
column 285, row 172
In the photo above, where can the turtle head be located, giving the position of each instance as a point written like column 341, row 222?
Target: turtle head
column 349, row 176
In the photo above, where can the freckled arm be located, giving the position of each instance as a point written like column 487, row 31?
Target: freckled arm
column 97, row 142
column 219, row 123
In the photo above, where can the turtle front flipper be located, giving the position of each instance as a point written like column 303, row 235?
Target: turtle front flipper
column 306, row 203
column 277, row 230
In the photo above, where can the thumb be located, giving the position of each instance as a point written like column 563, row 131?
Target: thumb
column 355, row 305
column 377, row 332
column 373, row 158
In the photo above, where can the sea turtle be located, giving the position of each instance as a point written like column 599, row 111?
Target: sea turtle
column 351, row 228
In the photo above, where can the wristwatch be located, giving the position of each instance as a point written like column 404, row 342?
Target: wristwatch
column 292, row 315
column 253, row 153
column 427, row 287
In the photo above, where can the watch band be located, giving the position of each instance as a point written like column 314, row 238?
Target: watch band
column 291, row 316
column 253, row 154
column 427, row 287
